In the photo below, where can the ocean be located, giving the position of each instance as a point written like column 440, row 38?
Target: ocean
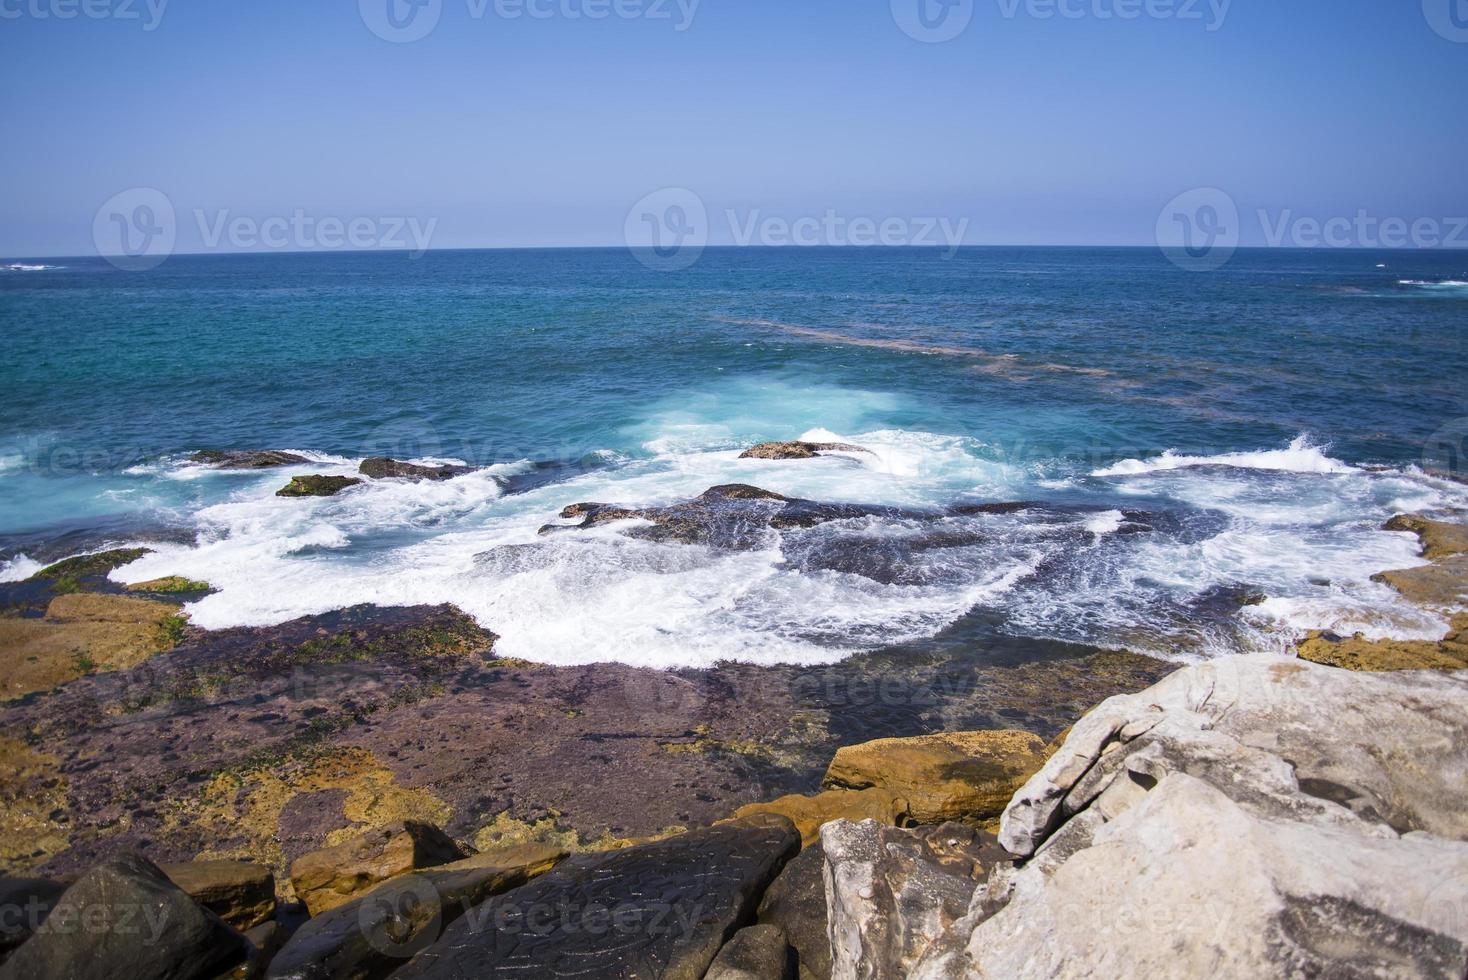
column 1204, row 460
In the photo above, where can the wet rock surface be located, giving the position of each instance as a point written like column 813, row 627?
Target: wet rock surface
column 755, row 953
column 798, row 450
column 317, row 485
column 382, row 468
column 243, row 459
column 657, row 912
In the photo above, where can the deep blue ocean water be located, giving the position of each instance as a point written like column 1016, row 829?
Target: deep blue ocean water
column 1265, row 418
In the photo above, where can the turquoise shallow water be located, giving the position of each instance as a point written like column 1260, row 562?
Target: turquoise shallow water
column 1298, row 394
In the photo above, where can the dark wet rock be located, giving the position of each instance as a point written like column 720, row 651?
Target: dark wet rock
column 755, row 953
column 734, row 516
column 375, row 933
column 334, row 876
column 24, row 905
column 316, row 485
column 240, row 893
column 659, row 911
column 235, row 459
column 798, row 450
column 267, row 939
column 891, row 893
column 1225, row 600
column 382, row 468
column 126, row 920
column 795, row 903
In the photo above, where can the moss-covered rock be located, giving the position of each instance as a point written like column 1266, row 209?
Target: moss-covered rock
column 382, row 468
column 171, row 585
column 317, row 485
column 72, row 574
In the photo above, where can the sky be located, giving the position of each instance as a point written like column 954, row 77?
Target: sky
column 540, row 123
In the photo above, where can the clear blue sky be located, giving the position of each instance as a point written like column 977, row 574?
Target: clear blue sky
column 546, row 131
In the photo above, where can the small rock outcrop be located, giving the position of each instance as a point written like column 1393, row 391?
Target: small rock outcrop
column 755, row 953
column 334, row 876
column 659, row 911
column 1246, row 817
column 891, row 893
column 382, row 468
column 1443, row 583
column 381, row 929
column 124, row 920
column 317, row 485
column 239, row 893
column 236, row 459
column 798, row 450
column 964, row 776
column 809, row 813
column 1359, row 653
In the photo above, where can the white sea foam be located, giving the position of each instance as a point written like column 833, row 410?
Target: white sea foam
column 1302, row 456
column 18, row 569
column 1108, row 522
column 24, row 267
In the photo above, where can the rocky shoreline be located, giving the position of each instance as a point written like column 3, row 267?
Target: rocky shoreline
column 817, row 821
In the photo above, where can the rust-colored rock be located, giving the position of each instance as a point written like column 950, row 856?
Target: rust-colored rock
column 81, row 633
column 1359, row 653
column 809, row 813
column 961, row 776
column 333, row 876
column 240, row 893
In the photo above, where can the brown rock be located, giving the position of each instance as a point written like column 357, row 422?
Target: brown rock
column 1439, row 538
column 961, row 776
column 335, row 875
column 236, row 459
column 240, row 893
column 82, row 632
column 1359, row 653
column 808, row 813
column 798, row 450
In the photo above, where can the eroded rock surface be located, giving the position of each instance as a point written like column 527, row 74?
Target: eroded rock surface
column 755, row 953
column 795, row 903
column 810, row 813
column 659, row 911
column 240, row 893
column 890, row 893
column 1250, row 816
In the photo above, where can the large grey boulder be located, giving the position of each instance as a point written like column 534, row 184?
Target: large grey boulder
column 125, row 920
column 1248, row 817
column 891, row 892
column 795, row 903
column 658, row 911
